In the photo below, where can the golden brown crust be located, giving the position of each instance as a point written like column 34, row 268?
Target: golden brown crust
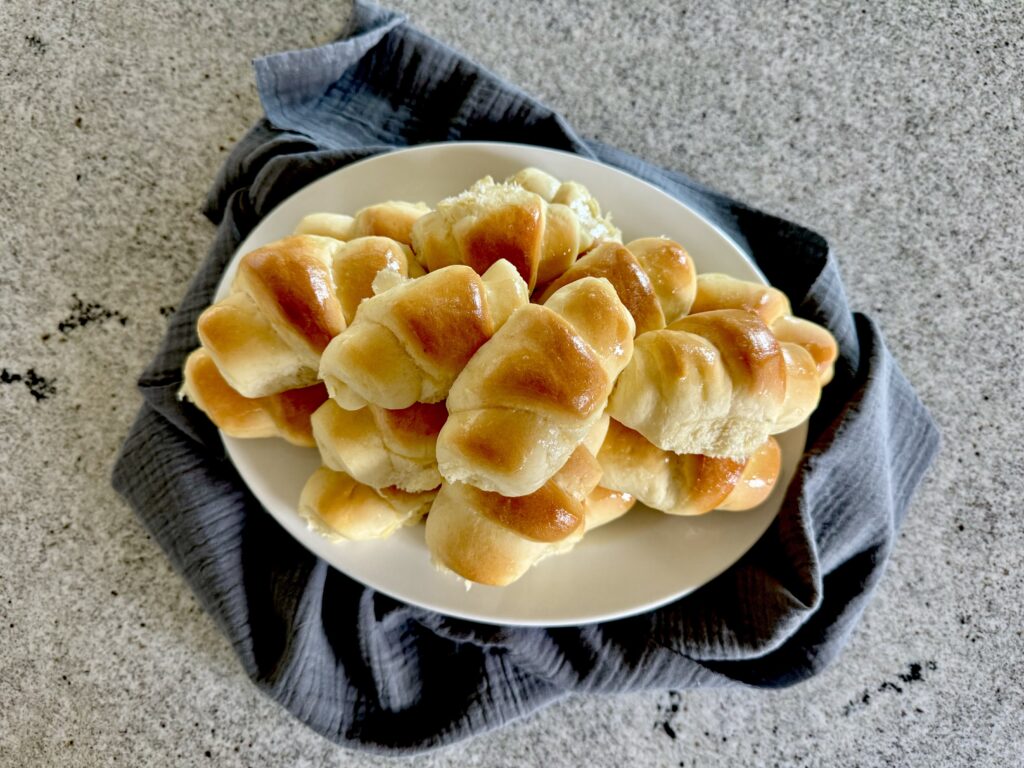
column 513, row 232
column 749, row 350
column 591, row 306
column 290, row 280
column 292, row 410
column 549, row 370
column 340, row 507
column 532, row 394
column 286, row 414
column 442, row 317
column 356, row 265
column 620, row 267
column 393, row 219
column 250, row 354
column 381, row 448
column 713, row 383
column 546, row 515
column 718, row 291
column 671, row 271
column 334, row 225
column 814, row 338
column 408, row 343
column 604, row 505
column 497, row 441
column 490, row 222
column 685, row 484
column 803, row 388
column 232, row 413
column 491, row 539
column 758, row 478
column 411, row 431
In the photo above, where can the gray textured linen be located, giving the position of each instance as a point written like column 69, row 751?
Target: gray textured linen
column 372, row 673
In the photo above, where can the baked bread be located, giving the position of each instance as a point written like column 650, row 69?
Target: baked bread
column 356, row 265
column 532, row 393
column 338, row 507
column 653, row 276
column 604, row 505
column 382, row 448
column 286, row 414
column 718, row 291
column 408, row 343
column 687, row 483
column 393, row 219
column 716, row 383
column 492, row 221
column 574, row 196
column 267, row 335
column 493, row 539
column 336, row 225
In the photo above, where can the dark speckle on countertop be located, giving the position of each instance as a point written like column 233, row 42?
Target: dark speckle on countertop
column 38, row 386
column 914, row 674
column 667, row 713
column 83, row 314
column 36, row 45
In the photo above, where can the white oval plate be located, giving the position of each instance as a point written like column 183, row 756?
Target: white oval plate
column 641, row 561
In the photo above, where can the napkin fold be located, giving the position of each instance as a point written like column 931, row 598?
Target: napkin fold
column 369, row 672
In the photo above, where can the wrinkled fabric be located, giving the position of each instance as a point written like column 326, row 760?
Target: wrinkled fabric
column 371, row 673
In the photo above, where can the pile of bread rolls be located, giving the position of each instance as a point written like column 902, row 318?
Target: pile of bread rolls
column 504, row 366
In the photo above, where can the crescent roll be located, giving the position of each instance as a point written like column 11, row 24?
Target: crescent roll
column 382, row 448
column 393, row 219
column 492, row 221
column 574, row 196
column 408, row 343
column 604, row 505
column 718, row 291
column 358, row 263
column 654, row 277
column 493, row 539
column 532, row 394
column 266, row 336
column 716, row 383
column 338, row 507
column 335, row 225
column 286, row 414
column 686, row 484
column 288, row 300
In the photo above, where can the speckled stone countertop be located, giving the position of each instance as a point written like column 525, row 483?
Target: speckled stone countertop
column 895, row 128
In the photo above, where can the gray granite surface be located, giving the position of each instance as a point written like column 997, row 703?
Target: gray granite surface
column 893, row 128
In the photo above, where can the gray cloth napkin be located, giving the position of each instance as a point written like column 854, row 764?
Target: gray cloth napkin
column 372, row 673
